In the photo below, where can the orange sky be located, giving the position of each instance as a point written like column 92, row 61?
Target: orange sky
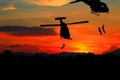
column 31, row 13
column 84, row 38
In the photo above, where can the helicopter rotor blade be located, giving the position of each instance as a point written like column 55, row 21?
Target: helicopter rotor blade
column 54, row 25
column 78, row 22
column 50, row 25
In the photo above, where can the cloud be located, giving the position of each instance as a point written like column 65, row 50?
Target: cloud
column 14, row 46
column 111, row 49
column 24, row 48
column 8, row 8
column 49, row 2
column 27, row 31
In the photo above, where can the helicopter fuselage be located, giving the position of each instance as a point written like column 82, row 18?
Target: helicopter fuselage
column 64, row 31
column 96, row 5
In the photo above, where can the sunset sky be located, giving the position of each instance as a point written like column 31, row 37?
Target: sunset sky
column 20, row 29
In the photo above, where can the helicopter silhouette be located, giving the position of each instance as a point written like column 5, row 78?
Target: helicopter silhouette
column 64, row 30
column 96, row 6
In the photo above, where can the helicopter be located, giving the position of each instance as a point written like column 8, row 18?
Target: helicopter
column 96, row 6
column 64, row 30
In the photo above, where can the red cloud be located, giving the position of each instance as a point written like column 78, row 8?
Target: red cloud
column 27, row 31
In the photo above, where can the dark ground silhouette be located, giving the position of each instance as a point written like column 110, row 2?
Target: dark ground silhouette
column 62, row 58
